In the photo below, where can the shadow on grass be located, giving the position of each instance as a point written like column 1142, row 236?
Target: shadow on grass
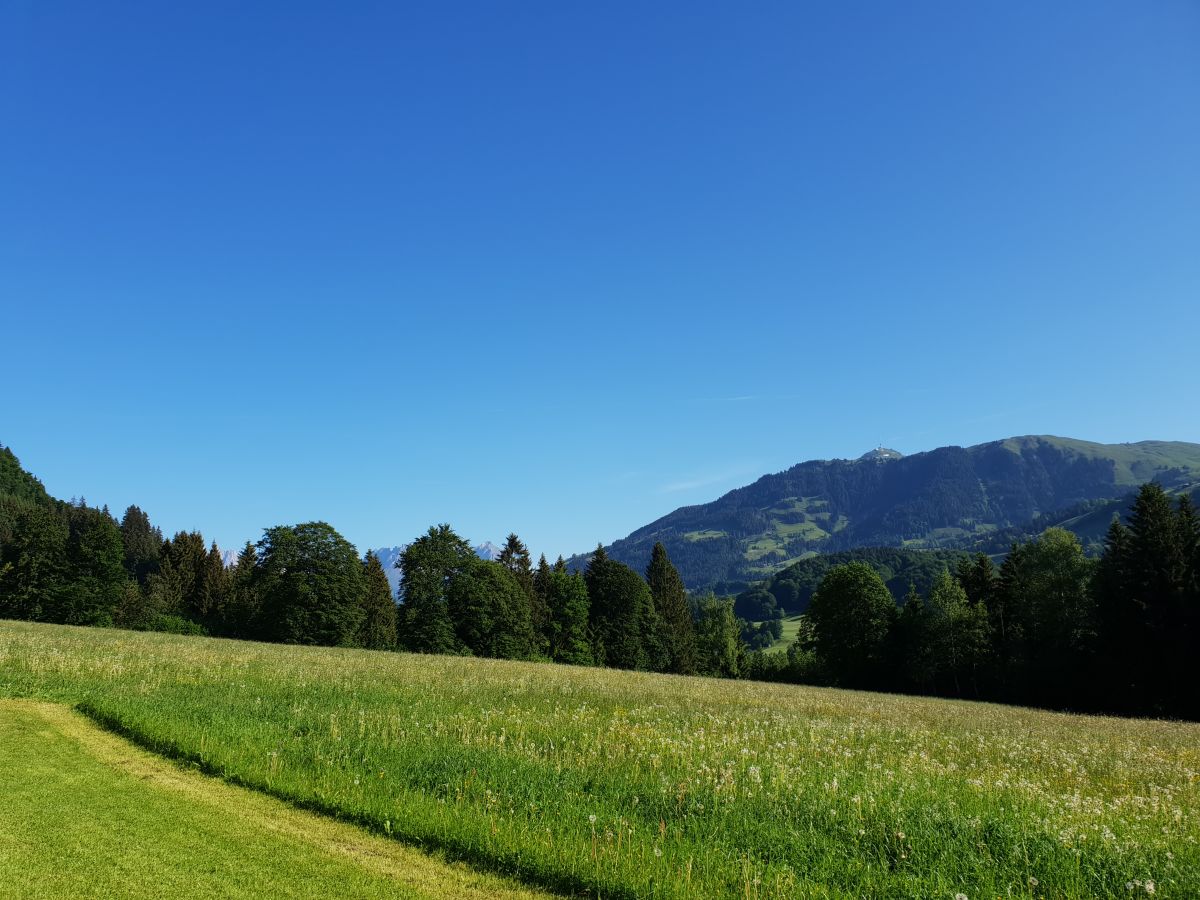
column 450, row 849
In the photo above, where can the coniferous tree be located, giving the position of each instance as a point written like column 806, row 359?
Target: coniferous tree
column 243, row 606
column 670, row 600
column 142, row 544
column 490, row 611
column 622, row 612
column 207, row 606
column 310, row 581
column 427, row 566
column 378, row 629
column 978, row 578
column 1158, row 572
column 568, row 602
column 96, row 568
column 33, row 563
column 515, row 557
column 541, row 590
column 915, row 643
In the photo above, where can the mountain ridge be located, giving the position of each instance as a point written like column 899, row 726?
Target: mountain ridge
column 946, row 497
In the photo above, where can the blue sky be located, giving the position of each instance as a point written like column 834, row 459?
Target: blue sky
column 560, row 268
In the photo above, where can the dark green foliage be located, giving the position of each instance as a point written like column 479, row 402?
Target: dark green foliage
column 17, row 483
column 900, row 569
column 1148, row 608
column 670, row 601
column 515, row 557
column 142, row 544
column 757, row 603
column 567, row 599
column 625, row 626
column 719, row 648
column 914, row 645
column 96, row 560
column 759, row 636
column 310, row 582
column 378, row 628
column 851, row 614
column 979, row 579
column 173, row 588
column 490, row 611
column 427, row 566
column 243, row 606
column 957, row 638
column 33, row 563
column 213, row 585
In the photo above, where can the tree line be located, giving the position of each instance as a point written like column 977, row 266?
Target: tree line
column 1048, row 627
column 70, row 563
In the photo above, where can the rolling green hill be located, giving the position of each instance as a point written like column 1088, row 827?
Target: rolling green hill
column 951, row 497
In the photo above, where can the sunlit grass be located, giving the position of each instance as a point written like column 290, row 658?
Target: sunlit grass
column 646, row 785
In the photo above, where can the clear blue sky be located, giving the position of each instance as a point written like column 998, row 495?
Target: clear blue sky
column 560, row 268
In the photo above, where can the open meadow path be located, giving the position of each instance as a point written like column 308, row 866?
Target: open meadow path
column 88, row 814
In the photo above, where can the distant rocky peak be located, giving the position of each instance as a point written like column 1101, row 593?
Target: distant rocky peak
column 881, row 454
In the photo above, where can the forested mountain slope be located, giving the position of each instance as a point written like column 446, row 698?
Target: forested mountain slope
column 949, row 497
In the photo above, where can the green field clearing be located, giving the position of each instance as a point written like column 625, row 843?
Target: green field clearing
column 810, row 531
column 87, row 814
column 791, row 627
column 694, row 536
column 624, row 784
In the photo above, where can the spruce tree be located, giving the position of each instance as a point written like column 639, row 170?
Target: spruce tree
column 567, row 598
column 621, row 611
column 207, row 606
column 243, row 606
column 670, row 600
column 378, row 629
column 490, row 611
column 1158, row 573
column 142, row 544
column 33, row 564
column 978, row 578
column 515, row 557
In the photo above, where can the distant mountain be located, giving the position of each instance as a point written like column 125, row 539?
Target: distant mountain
column 951, row 497
column 389, row 556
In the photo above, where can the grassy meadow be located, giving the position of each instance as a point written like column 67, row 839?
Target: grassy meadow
column 619, row 784
column 85, row 814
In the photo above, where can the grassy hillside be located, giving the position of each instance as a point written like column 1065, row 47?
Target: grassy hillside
column 951, row 497
column 625, row 784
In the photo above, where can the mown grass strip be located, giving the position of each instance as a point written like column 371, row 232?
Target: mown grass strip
column 87, row 814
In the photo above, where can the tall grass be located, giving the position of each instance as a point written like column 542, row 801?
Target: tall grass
column 624, row 784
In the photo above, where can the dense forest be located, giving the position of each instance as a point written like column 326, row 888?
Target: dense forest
column 1048, row 626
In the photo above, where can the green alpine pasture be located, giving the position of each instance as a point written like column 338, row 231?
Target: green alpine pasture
column 621, row 784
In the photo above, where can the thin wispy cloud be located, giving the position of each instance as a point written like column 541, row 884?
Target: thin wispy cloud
column 709, row 479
